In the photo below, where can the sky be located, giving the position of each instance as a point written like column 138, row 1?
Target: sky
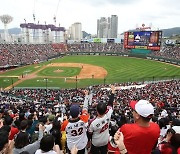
column 159, row 14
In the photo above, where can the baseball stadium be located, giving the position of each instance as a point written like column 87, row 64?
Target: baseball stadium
column 102, row 95
column 49, row 80
column 85, row 70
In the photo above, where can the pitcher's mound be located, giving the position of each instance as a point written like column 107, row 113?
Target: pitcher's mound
column 58, row 71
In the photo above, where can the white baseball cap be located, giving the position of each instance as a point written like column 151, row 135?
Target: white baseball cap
column 164, row 114
column 142, row 107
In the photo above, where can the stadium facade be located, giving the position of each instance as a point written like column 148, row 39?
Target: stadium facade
column 37, row 33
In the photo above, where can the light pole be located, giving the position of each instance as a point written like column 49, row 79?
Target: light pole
column 46, row 85
column 76, row 82
column 104, row 81
column 6, row 19
column 46, row 88
column 93, row 79
column 12, row 82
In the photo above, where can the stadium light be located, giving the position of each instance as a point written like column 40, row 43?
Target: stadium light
column 6, row 19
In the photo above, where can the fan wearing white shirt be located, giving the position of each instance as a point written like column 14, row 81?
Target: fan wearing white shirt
column 47, row 146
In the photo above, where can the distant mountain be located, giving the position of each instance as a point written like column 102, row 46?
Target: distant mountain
column 85, row 34
column 12, row 30
column 168, row 32
column 171, row 31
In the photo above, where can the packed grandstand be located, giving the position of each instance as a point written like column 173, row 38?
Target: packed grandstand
column 32, row 116
column 23, row 54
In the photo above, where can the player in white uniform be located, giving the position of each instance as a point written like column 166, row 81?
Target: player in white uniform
column 99, row 128
column 76, row 127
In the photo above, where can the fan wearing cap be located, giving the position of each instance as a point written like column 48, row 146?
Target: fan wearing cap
column 76, row 126
column 142, row 136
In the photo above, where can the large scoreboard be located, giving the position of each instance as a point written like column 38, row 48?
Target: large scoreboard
column 150, row 40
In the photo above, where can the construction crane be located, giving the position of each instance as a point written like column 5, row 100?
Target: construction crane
column 55, row 14
column 34, row 7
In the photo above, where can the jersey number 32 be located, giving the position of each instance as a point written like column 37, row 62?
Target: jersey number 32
column 77, row 132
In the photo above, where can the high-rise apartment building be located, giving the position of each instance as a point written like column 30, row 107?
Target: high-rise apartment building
column 107, row 27
column 113, row 26
column 102, row 24
column 76, row 31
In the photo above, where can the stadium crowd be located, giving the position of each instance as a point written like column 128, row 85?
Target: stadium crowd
column 122, row 119
column 19, row 54
column 40, row 121
column 95, row 47
column 171, row 52
column 23, row 54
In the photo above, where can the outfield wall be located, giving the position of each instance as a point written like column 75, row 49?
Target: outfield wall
column 161, row 59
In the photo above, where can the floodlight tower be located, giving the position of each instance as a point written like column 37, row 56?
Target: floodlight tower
column 6, row 19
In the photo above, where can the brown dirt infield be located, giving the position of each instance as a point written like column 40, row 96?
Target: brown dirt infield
column 87, row 71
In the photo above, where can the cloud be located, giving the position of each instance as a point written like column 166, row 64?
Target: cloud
column 121, row 1
column 169, row 4
column 101, row 3
column 161, row 13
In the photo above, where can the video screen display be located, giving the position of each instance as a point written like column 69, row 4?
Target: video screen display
column 143, row 39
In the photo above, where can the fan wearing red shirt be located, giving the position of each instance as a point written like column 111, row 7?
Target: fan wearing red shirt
column 142, row 136
column 8, row 120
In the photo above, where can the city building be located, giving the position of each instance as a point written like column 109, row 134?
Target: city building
column 37, row 33
column 107, row 27
column 75, row 32
column 102, row 27
column 113, row 26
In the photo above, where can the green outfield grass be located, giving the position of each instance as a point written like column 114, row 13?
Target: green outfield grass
column 22, row 70
column 120, row 69
column 59, row 83
column 5, row 81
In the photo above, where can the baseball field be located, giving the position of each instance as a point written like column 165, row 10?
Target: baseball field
column 82, row 71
